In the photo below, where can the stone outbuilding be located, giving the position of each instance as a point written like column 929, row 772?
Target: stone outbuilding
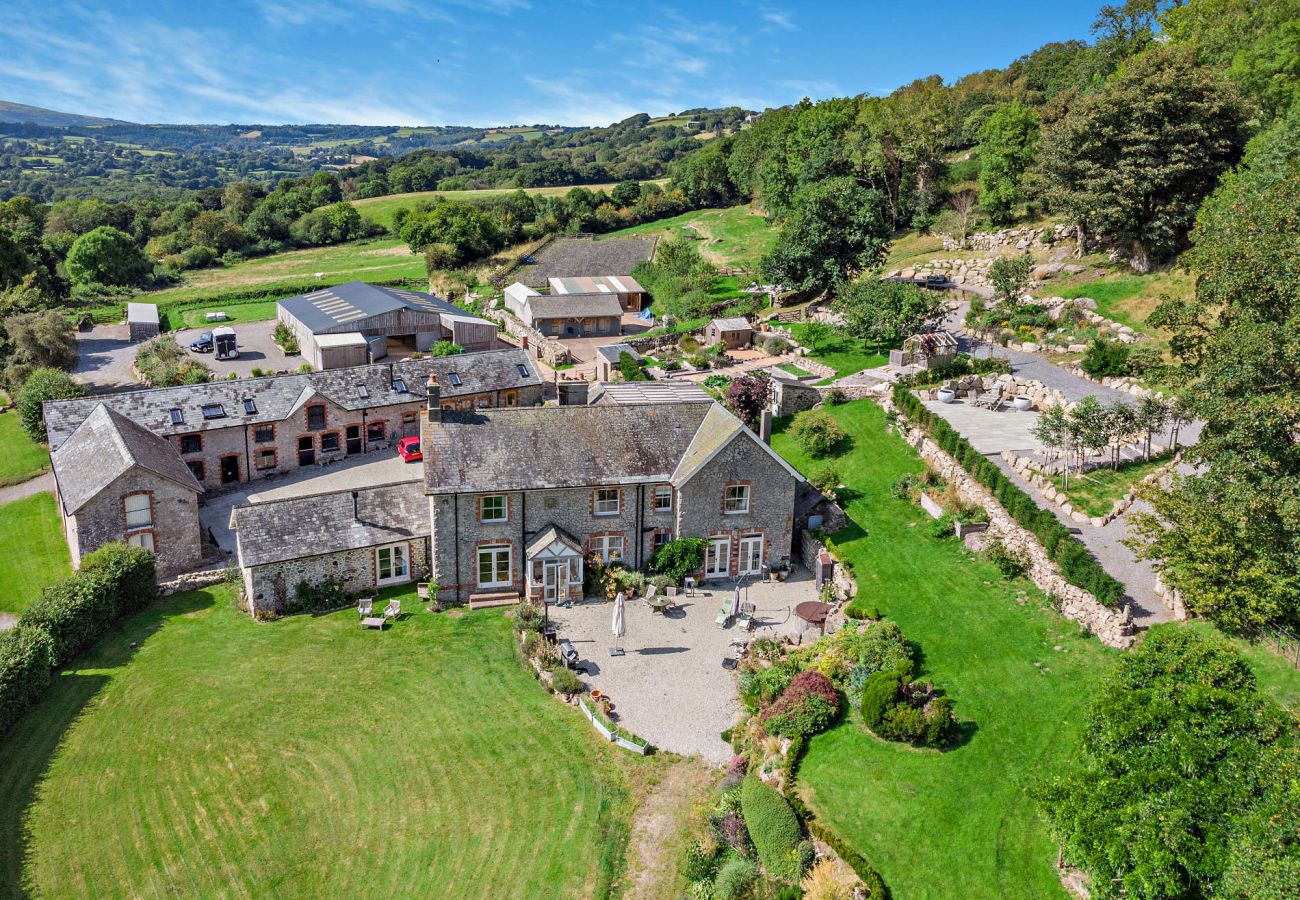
column 117, row 481
column 365, row 540
column 388, row 319
column 142, row 321
column 607, row 358
column 732, row 333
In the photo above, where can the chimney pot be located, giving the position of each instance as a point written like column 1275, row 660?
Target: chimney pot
column 435, row 399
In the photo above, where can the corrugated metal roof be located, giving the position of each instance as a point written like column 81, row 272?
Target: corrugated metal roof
column 354, row 301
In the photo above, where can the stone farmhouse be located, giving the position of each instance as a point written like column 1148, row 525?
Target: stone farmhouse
column 613, row 479
column 355, row 323
column 171, row 444
column 515, row 501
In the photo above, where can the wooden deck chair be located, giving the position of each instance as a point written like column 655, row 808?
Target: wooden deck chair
column 365, row 606
column 393, row 609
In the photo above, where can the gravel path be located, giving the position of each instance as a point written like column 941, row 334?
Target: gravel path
column 31, row 486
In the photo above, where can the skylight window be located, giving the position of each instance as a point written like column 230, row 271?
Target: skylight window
column 178, row 418
column 399, row 385
column 250, row 407
column 363, row 392
column 523, row 370
column 214, row 411
column 454, row 379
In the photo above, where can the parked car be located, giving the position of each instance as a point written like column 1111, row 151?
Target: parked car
column 202, row 343
column 408, row 448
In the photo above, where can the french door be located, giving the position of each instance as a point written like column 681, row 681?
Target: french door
column 390, row 564
column 717, row 561
column 751, row 554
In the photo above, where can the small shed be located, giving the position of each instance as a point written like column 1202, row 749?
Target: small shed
column 732, row 333
column 516, row 297
column 142, row 321
column 339, row 351
column 928, row 350
column 607, row 358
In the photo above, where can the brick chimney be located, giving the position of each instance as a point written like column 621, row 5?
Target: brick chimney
column 435, row 399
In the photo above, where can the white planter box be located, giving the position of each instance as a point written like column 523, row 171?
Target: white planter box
column 930, row 505
column 628, row 745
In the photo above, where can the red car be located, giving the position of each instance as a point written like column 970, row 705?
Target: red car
column 408, row 448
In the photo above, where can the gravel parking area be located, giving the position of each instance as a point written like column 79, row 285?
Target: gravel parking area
column 104, row 357
column 256, row 350
column 670, row 687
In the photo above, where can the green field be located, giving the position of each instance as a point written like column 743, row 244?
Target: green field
column 35, row 555
column 196, row 752
column 843, row 353
column 1127, row 298
column 382, row 209
column 959, row 823
column 735, row 236
column 20, row 457
column 283, row 275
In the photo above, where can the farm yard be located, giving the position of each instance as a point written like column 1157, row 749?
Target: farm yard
column 307, row 757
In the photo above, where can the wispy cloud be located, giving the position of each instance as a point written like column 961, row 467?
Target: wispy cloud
column 778, row 19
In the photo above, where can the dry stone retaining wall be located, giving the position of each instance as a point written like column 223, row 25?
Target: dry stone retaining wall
column 1032, row 471
column 1013, row 238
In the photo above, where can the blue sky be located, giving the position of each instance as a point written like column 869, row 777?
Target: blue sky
column 493, row 62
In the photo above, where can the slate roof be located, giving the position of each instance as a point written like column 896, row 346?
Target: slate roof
column 275, row 397
column 612, row 352
column 625, row 392
column 577, row 257
column 734, row 323
column 549, row 306
column 299, row 527
column 344, row 304
column 577, row 446
column 558, row 446
column 105, row 447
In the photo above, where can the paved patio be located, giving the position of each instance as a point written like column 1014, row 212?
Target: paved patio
column 989, row 431
column 670, row 687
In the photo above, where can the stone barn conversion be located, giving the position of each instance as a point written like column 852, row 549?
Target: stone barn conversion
column 335, row 325
column 117, row 481
column 626, row 288
column 365, row 540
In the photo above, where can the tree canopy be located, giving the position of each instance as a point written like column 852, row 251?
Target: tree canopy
column 105, row 255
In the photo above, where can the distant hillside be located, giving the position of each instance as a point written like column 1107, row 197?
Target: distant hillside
column 20, row 112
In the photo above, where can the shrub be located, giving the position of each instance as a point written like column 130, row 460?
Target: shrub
column 834, row 397
column 758, row 689
column 678, row 558
column 940, row 723
column 446, row 348
column 1103, row 358
column 701, row 862
column 1010, row 564
column 114, row 580
column 529, row 616
column 817, row 432
column 773, row 828
column 879, row 694
column 26, row 655
column 564, row 681
column 871, row 880
column 830, row 879
column 860, row 610
column 735, row 877
column 825, row 478
column 807, row 705
column 42, row 385
column 775, row 346
column 901, row 489
column 284, row 337
column 884, row 648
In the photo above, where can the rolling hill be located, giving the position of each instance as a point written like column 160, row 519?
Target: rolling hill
column 21, row 113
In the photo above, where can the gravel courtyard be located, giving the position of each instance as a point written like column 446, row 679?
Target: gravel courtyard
column 670, row 687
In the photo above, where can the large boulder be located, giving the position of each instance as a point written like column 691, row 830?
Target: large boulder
column 1045, row 271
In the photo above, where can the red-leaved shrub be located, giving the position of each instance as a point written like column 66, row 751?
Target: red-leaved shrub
column 807, row 705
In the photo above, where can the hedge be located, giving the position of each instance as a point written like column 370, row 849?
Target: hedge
column 115, row 580
column 1077, row 565
column 773, row 827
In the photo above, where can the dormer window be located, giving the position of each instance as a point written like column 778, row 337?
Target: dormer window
column 214, row 411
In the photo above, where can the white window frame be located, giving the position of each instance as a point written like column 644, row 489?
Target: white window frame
column 143, row 539
column 720, row 549
column 397, row 574
column 482, row 509
column 497, row 553
column 147, row 510
column 604, row 545
column 596, row 502
column 737, row 504
column 747, row 541
column 663, row 491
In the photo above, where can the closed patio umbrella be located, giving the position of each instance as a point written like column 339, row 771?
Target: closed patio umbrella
column 735, row 601
column 619, row 624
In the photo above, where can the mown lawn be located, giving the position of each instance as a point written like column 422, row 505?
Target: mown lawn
column 35, row 554
column 961, row 823
column 252, row 311
column 1095, row 492
column 1128, row 298
column 843, row 353
column 196, row 752
column 735, row 236
column 21, row 458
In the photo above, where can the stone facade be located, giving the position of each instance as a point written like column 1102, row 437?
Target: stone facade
column 174, row 521
column 270, row 588
column 697, row 511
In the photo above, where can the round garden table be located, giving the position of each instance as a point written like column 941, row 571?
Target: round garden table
column 814, row 612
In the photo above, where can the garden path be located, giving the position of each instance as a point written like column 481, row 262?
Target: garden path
column 43, row 482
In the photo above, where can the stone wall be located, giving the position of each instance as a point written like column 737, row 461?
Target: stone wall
column 270, row 588
column 191, row 581
column 175, row 517
column 1040, row 477
column 1113, row 628
column 1040, row 395
column 810, row 548
column 541, row 346
column 1019, row 239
